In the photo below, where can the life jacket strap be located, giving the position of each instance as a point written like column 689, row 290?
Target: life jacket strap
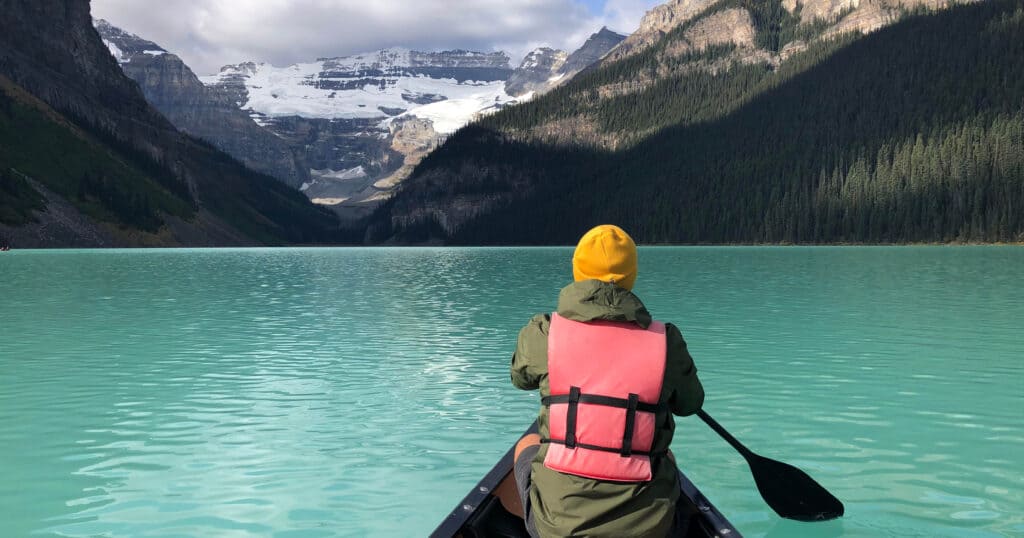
column 609, row 401
column 576, row 397
column 627, row 435
column 603, row 448
column 570, row 417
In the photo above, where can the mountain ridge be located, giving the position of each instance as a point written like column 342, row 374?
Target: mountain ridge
column 702, row 139
column 363, row 121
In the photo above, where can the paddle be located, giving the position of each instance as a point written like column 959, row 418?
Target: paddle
column 787, row 490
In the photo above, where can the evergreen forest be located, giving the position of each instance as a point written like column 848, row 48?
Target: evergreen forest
column 913, row 133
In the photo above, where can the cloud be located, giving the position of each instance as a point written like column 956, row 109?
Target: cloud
column 624, row 16
column 210, row 33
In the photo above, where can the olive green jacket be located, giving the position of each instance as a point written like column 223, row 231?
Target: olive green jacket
column 569, row 505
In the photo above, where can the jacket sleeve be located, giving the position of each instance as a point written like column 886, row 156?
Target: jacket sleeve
column 530, row 360
column 686, row 394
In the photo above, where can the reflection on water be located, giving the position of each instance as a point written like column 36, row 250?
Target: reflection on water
column 353, row 392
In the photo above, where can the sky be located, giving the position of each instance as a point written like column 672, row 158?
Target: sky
column 208, row 34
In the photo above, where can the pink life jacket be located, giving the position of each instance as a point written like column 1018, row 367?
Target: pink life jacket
column 605, row 379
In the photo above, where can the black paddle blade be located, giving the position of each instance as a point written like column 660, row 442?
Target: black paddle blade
column 791, row 492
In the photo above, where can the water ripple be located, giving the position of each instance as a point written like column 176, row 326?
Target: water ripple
column 303, row 392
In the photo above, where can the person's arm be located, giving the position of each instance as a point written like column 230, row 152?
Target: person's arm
column 530, row 360
column 687, row 394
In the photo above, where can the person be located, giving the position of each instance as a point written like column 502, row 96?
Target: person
column 610, row 380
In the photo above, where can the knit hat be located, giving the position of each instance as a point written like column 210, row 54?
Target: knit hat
column 606, row 253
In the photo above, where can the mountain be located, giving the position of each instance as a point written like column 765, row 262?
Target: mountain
column 743, row 121
column 594, row 49
column 362, row 122
column 86, row 160
column 539, row 70
column 344, row 130
column 171, row 87
column 544, row 68
column 657, row 23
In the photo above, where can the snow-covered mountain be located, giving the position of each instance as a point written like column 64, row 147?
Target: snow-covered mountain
column 123, row 45
column 346, row 130
column 386, row 84
column 544, row 68
column 538, row 72
column 365, row 120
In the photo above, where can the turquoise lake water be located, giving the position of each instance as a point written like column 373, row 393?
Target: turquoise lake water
column 362, row 392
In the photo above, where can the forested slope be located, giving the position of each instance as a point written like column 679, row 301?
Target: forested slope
column 914, row 133
column 86, row 161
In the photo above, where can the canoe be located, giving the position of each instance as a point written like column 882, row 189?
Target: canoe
column 480, row 514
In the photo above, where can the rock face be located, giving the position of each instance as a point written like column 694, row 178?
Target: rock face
column 596, row 46
column 50, row 49
column 68, row 66
column 711, row 22
column 540, row 68
column 811, row 10
column 175, row 91
column 656, row 23
column 355, row 192
column 733, row 26
column 859, row 15
column 869, row 15
column 545, row 68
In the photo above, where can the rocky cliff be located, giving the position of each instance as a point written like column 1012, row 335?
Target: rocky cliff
column 656, row 23
column 864, row 15
column 153, row 173
column 545, row 68
column 836, row 16
column 538, row 71
column 593, row 50
column 177, row 93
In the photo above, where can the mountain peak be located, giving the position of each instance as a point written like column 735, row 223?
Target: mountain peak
column 538, row 71
column 125, row 45
column 596, row 46
column 605, row 32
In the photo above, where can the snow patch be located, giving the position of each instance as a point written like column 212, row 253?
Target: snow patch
column 336, row 88
column 449, row 115
column 305, row 90
column 155, row 52
column 116, row 52
column 338, row 175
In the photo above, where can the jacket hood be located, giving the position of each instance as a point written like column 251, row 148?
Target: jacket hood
column 590, row 300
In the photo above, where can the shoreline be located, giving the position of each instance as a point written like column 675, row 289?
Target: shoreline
column 641, row 245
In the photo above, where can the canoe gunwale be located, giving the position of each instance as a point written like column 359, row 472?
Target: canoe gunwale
column 706, row 516
column 458, row 517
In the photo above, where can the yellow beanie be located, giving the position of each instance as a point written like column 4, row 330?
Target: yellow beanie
column 606, row 253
